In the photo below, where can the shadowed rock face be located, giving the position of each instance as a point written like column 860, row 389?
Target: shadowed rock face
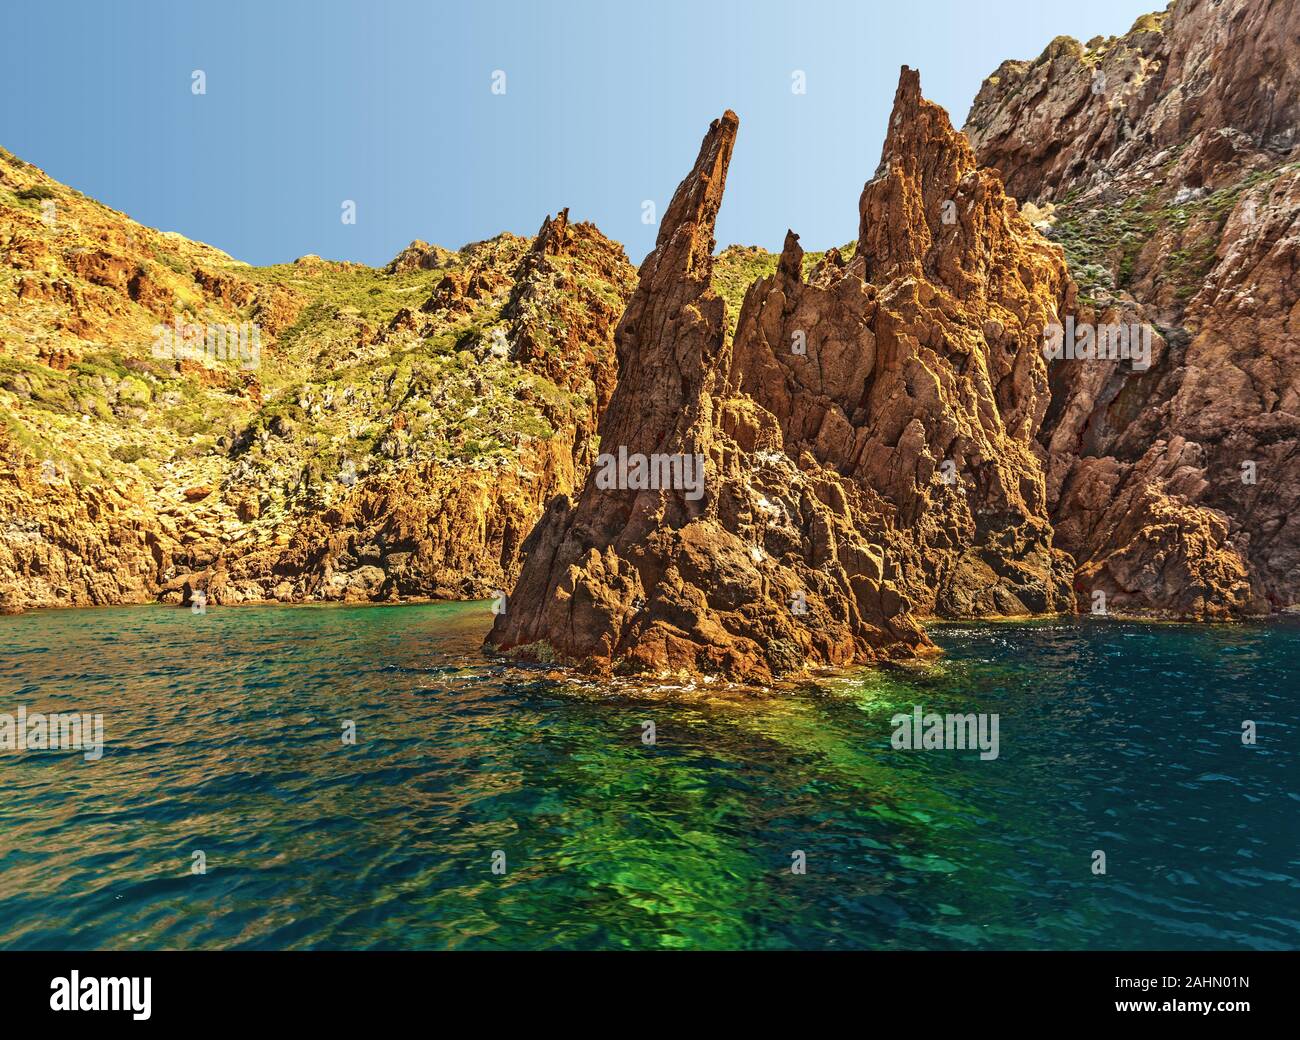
column 1167, row 163
column 828, row 521
column 922, row 379
column 1212, row 78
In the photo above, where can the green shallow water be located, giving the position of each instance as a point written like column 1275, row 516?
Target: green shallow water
column 223, row 735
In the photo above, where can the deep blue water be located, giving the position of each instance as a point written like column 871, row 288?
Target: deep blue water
column 223, row 736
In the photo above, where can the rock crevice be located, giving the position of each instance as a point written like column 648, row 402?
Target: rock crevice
column 868, row 438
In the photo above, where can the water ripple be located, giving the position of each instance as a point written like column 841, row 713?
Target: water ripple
column 225, row 736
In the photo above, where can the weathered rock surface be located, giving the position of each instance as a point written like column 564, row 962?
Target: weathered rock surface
column 1166, row 162
column 443, row 531
column 881, row 440
column 827, row 523
column 397, row 438
column 920, row 376
column 62, row 545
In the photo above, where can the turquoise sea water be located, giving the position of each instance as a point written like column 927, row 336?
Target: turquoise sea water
column 223, row 736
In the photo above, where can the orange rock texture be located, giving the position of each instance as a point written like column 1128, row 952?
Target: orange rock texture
column 397, row 438
column 1167, row 162
column 868, row 439
column 740, row 465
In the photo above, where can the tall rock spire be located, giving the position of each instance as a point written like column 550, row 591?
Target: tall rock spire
column 752, row 568
column 866, row 443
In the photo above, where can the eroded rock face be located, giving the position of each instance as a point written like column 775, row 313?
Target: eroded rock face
column 919, row 375
column 827, row 522
column 68, row 546
column 662, row 579
column 436, row 533
column 397, row 438
column 1166, row 163
column 452, row 531
column 1212, row 78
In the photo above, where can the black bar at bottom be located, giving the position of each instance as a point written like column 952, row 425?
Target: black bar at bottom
column 223, row 989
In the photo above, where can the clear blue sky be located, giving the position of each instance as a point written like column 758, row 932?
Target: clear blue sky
column 389, row 103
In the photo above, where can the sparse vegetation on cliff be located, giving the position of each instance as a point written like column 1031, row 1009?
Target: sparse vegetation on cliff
column 447, row 361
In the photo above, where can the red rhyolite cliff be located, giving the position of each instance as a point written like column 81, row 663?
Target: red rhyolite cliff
column 868, row 439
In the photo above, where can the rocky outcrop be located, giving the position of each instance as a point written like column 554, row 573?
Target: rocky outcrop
column 917, row 372
column 66, row 545
column 437, row 532
column 773, row 463
column 1218, row 80
column 396, row 437
column 824, row 521
column 419, row 256
column 1166, row 162
column 455, row 531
